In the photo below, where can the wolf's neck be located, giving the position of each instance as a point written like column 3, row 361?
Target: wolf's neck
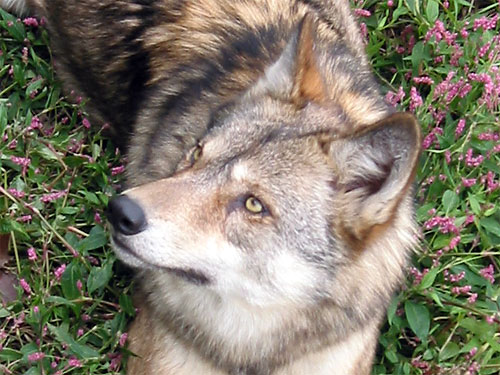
column 238, row 339
column 168, row 351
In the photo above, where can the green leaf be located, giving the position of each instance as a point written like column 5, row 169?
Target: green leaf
column 428, row 279
column 418, row 318
column 32, row 371
column 450, row 200
column 391, row 310
column 417, row 54
column 391, row 356
column 57, row 300
column 491, row 225
column 474, row 204
column 432, row 11
column 100, row 276
column 91, row 197
column 4, row 312
column 62, row 335
column 97, row 238
column 46, row 152
column 127, row 305
column 68, row 282
column 414, row 6
column 450, row 350
column 8, row 354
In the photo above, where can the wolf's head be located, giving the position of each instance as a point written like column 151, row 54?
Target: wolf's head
column 299, row 191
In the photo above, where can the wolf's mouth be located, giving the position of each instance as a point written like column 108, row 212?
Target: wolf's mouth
column 189, row 274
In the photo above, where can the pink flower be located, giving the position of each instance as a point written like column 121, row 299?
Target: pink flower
column 74, row 362
column 46, row 198
column 473, row 161
column 472, row 298
column 32, row 254
column 469, row 220
column 456, row 278
column 25, row 218
column 79, row 285
column 24, row 284
column 445, row 224
column 16, row 193
column 447, row 156
column 116, row 360
column 439, row 32
column 490, row 181
column 362, row 12
column 35, row 123
column 395, row 98
column 117, row 170
column 30, row 21
column 59, row 271
column 490, row 319
column 489, row 136
column 486, row 23
column 458, row 290
column 86, row 123
column 23, row 162
column 425, row 80
column 123, row 339
column 488, row 273
column 415, row 99
column 468, row 182
column 79, row 333
column 37, row 356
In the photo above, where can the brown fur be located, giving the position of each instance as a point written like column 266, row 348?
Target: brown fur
column 279, row 97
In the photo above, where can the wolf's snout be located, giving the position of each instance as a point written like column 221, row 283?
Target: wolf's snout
column 126, row 216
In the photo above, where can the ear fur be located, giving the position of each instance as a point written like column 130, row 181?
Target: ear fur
column 374, row 171
column 295, row 75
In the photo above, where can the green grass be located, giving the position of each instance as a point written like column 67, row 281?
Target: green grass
column 57, row 176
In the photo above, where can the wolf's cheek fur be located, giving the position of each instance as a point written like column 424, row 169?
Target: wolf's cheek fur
column 261, row 279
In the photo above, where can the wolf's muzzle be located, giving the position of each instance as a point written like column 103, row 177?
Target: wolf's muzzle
column 126, row 216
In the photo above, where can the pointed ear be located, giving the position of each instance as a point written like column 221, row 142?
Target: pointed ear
column 374, row 171
column 295, row 75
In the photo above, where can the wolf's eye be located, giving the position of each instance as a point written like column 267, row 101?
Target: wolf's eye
column 196, row 154
column 253, row 205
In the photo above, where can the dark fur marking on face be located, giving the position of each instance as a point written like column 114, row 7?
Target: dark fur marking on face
column 252, row 44
column 190, row 275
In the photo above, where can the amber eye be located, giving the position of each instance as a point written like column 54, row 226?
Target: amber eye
column 196, row 154
column 253, row 205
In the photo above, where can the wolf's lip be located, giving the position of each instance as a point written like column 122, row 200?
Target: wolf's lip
column 190, row 275
column 125, row 248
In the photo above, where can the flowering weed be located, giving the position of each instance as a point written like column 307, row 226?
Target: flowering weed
column 66, row 312
column 437, row 59
column 441, row 60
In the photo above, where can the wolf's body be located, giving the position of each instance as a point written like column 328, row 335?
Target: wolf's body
column 271, row 215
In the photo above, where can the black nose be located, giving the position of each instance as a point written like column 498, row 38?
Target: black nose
column 126, row 216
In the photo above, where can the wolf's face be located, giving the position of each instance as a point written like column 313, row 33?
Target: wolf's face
column 266, row 207
column 278, row 196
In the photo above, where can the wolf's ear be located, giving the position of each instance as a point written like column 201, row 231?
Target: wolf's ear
column 374, row 171
column 295, row 75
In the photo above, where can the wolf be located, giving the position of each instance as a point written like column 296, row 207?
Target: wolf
column 269, row 215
